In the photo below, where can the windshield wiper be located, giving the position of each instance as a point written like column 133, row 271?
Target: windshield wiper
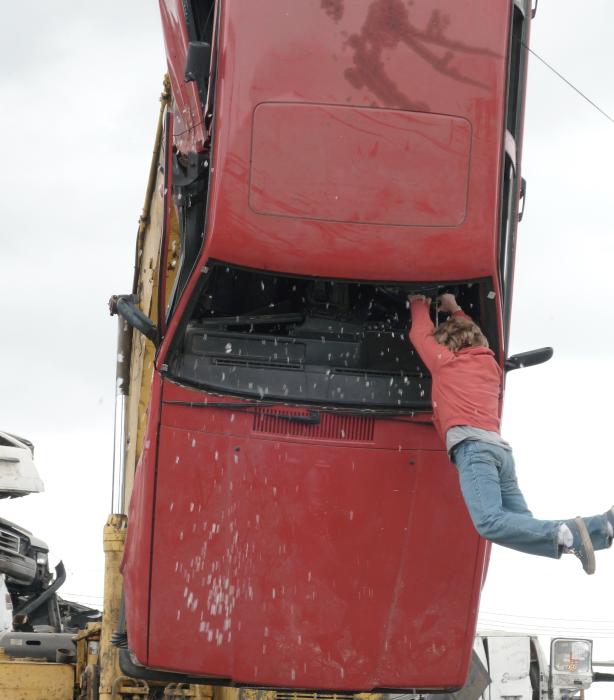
column 255, row 320
column 313, row 416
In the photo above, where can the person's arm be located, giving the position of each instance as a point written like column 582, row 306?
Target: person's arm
column 421, row 333
column 449, row 305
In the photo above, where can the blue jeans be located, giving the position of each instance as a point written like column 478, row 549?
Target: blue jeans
column 497, row 506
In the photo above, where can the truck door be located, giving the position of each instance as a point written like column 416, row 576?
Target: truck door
column 509, row 662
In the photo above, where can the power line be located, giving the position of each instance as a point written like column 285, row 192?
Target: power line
column 546, row 631
column 543, row 617
column 531, row 631
column 568, row 82
column 83, row 595
column 601, row 625
column 503, row 623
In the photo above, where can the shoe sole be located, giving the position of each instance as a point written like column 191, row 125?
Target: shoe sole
column 588, row 546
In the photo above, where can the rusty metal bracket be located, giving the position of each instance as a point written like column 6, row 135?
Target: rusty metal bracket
column 122, row 688
column 178, row 690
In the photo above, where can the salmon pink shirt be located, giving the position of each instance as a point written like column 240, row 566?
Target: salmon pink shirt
column 466, row 384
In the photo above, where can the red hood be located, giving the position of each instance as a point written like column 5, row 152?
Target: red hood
column 307, row 562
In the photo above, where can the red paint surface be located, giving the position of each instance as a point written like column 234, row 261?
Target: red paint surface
column 136, row 562
column 315, row 562
column 442, row 58
column 307, row 563
column 301, row 562
column 359, row 165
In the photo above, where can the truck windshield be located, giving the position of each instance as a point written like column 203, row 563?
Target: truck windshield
column 302, row 339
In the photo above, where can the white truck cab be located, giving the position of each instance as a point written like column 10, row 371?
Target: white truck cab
column 18, row 474
column 519, row 670
column 513, row 666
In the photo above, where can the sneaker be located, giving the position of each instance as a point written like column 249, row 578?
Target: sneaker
column 582, row 546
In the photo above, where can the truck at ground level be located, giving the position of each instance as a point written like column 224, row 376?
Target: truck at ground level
column 518, row 667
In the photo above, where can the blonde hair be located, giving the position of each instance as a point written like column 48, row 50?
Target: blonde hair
column 457, row 333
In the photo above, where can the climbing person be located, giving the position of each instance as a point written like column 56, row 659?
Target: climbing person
column 466, row 393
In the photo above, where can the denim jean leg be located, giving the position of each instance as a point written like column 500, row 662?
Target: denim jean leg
column 480, row 467
column 513, row 500
column 597, row 527
column 511, row 495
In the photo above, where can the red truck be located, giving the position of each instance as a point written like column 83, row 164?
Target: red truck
column 295, row 521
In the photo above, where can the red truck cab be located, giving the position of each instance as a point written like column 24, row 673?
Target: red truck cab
column 295, row 520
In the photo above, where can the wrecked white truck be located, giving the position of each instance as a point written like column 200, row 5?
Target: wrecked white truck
column 28, row 587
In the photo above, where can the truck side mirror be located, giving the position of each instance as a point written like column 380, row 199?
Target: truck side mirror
column 197, row 62
column 124, row 305
column 571, row 666
column 528, row 359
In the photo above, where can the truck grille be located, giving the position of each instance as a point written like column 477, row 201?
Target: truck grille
column 9, row 542
column 331, row 426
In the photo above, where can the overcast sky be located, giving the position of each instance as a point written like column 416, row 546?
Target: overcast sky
column 80, row 83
